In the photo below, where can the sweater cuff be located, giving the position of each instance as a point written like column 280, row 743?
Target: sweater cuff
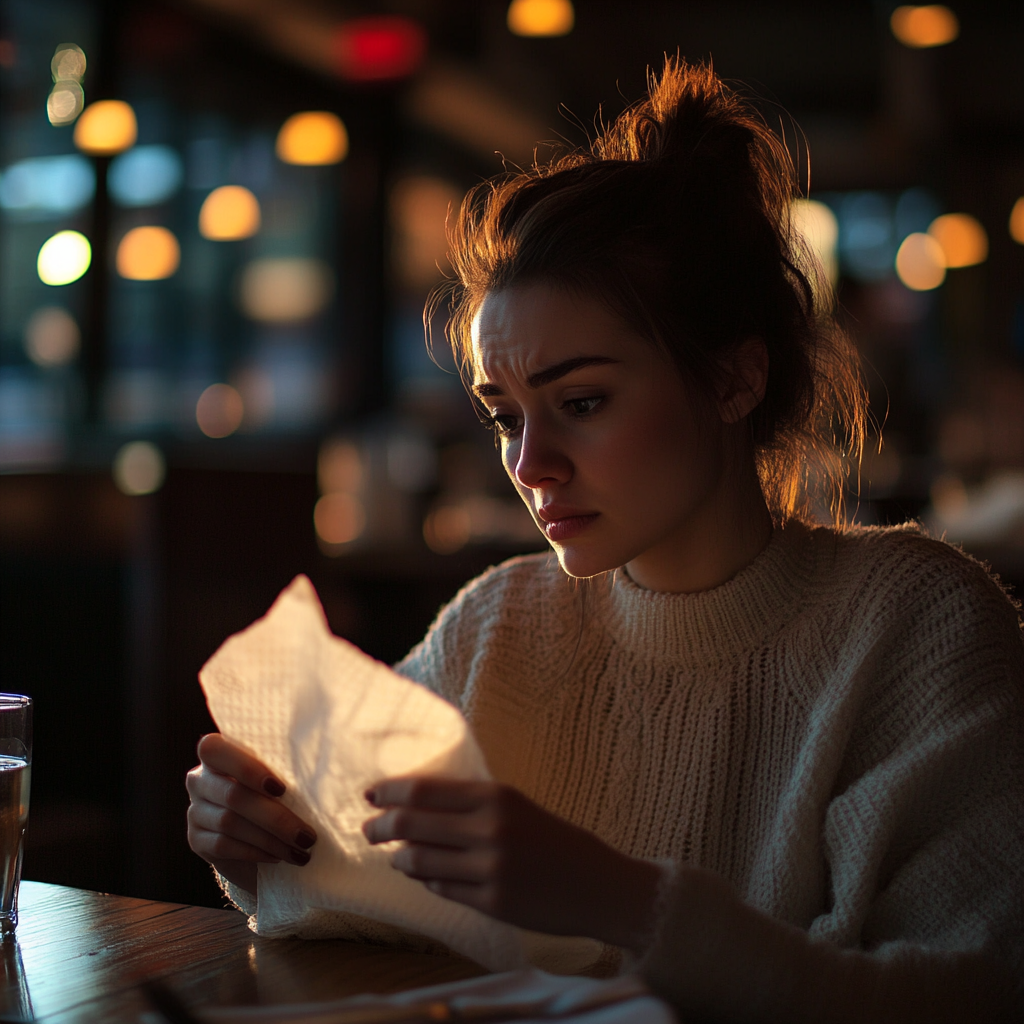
column 244, row 900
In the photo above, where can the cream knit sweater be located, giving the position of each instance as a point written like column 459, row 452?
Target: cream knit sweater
column 837, row 732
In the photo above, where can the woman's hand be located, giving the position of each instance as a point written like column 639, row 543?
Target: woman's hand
column 488, row 846
column 235, row 820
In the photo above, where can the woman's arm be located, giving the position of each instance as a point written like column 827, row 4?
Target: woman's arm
column 713, row 957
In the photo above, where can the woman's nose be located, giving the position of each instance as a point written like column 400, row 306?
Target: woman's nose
column 540, row 459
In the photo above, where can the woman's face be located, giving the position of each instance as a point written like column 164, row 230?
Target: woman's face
column 611, row 451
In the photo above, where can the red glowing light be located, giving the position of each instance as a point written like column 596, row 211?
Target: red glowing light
column 379, row 49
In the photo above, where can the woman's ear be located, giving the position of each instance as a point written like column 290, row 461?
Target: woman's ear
column 744, row 379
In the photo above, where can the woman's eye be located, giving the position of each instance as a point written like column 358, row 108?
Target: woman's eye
column 583, row 406
column 503, row 423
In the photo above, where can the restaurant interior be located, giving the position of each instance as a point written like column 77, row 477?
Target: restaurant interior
column 219, row 221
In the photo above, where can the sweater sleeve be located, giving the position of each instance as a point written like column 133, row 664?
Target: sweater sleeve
column 923, row 838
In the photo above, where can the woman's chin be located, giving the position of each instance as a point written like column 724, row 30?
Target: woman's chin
column 581, row 564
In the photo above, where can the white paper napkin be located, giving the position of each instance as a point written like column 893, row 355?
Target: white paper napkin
column 330, row 722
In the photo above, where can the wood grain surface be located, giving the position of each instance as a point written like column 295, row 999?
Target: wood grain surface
column 80, row 957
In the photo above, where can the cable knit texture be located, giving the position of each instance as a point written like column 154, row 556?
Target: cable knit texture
column 838, row 731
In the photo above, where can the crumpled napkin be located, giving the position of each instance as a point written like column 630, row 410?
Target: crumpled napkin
column 330, row 721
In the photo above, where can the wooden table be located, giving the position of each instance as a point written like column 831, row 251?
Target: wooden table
column 80, row 956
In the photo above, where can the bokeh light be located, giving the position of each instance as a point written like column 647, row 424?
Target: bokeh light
column 313, row 139
column 65, row 103
column 68, row 63
column 820, row 229
column 419, row 209
column 219, row 410
column 67, row 98
column 106, row 128
column 64, row 258
column 229, row 213
column 1017, row 221
column 447, row 529
column 922, row 26
column 52, row 337
column 963, row 239
column 285, row 290
column 139, row 468
column 48, row 184
column 148, row 253
column 920, row 262
column 379, row 48
column 145, row 175
column 339, row 467
column 541, row 17
column 339, row 518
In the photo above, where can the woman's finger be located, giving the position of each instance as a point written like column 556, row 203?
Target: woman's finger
column 431, row 793
column 438, row 863
column 206, row 817
column 268, row 814
column 227, row 758
column 214, row 847
column 434, row 827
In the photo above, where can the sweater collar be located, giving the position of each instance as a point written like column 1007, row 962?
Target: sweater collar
column 714, row 624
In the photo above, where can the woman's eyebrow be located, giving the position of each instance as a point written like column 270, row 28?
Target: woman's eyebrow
column 547, row 376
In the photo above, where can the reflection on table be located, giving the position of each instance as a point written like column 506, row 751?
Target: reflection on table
column 80, row 956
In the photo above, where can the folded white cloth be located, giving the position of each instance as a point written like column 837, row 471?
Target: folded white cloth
column 330, row 722
column 527, row 995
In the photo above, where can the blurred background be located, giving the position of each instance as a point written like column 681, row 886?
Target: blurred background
column 220, row 219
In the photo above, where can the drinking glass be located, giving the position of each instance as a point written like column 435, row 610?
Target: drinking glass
column 15, row 779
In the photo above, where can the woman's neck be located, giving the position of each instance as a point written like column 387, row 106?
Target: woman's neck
column 724, row 535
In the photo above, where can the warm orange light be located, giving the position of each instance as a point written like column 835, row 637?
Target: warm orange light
column 313, row 139
column 1017, row 221
column 229, row 213
column 285, row 290
column 920, row 262
column 219, row 410
column 963, row 239
column 447, row 529
column 923, row 26
column 541, row 17
column 148, row 254
column 106, row 127
column 339, row 518
column 339, row 467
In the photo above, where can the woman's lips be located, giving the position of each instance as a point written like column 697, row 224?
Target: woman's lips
column 568, row 526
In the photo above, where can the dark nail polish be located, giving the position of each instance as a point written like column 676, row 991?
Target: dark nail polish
column 299, row 857
column 304, row 840
column 371, row 796
column 273, row 787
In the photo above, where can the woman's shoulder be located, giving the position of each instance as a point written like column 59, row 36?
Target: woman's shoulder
column 515, row 583
column 904, row 565
column 521, row 589
column 507, row 609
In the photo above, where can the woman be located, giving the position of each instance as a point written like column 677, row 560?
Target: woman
column 780, row 766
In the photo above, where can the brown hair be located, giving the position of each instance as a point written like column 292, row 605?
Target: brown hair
column 678, row 217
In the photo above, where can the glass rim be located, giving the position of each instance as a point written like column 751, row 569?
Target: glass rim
column 14, row 700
